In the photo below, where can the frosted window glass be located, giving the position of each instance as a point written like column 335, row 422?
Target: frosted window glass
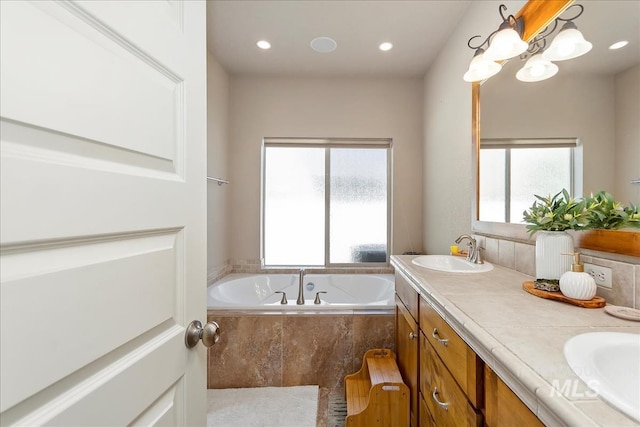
column 541, row 171
column 294, row 212
column 358, row 205
column 492, row 183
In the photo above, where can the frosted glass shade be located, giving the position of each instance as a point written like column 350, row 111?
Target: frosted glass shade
column 568, row 44
column 481, row 68
column 505, row 44
column 537, row 68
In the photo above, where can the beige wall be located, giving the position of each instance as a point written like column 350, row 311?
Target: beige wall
column 324, row 107
column 627, row 135
column 447, row 130
column 217, row 166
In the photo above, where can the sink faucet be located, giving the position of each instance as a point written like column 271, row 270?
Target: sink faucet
column 473, row 254
column 300, row 300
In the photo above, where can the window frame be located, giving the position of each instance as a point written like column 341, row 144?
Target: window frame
column 328, row 144
column 509, row 144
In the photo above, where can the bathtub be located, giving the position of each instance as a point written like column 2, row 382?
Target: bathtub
column 343, row 292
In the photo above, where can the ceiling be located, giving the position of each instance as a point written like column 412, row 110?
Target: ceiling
column 417, row 30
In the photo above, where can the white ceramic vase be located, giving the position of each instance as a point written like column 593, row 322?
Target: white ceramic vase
column 551, row 263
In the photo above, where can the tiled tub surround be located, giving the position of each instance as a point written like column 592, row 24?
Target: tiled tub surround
column 294, row 348
column 520, row 256
column 521, row 337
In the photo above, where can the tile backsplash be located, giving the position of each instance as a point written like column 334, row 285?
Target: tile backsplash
column 521, row 257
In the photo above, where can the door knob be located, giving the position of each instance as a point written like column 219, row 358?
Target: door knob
column 209, row 334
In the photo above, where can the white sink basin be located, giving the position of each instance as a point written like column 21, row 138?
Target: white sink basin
column 451, row 264
column 609, row 363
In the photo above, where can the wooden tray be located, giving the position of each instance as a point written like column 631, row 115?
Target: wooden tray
column 595, row 302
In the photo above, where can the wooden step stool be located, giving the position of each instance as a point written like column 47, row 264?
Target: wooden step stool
column 376, row 394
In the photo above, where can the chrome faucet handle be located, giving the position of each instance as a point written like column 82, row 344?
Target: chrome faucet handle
column 317, row 300
column 283, row 301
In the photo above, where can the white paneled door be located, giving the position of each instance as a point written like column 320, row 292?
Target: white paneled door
column 103, row 212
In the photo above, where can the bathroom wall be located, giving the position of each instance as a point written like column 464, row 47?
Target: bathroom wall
column 447, row 130
column 324, row 107
column 217, row 166
column 627, row 101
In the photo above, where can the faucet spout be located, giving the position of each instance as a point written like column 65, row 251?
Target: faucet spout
column 300, row 300
column 473, row 254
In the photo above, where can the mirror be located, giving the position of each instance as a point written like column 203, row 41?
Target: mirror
column 580, row 101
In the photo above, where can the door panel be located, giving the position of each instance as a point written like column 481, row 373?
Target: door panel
column 78, row 69
column 102, row 250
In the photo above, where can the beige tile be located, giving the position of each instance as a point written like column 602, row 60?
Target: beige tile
column 506, row 254
column 372, row 331
column 623, row 281
column 249, row 353
column 606, row 413
column 525, row 256
column 491, row 250
column 317, row 350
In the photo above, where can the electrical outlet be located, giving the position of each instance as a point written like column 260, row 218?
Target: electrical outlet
column 602, row 275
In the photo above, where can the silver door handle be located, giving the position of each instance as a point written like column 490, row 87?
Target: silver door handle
column 413, row 336
column 436, row 336
column 434, row 395
column 209, row 334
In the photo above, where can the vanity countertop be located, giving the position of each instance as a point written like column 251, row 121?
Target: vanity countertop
column 521, row 337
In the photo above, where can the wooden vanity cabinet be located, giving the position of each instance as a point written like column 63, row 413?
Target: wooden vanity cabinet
column 450, row 373
column 407, row 333
column 502, row 406
column 440, row 368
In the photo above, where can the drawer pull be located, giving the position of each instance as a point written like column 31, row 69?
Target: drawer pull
column 412, row 336
column 435, row 335
column 441, row 404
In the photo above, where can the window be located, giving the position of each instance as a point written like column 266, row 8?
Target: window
column 325, row 201
column 513, row 170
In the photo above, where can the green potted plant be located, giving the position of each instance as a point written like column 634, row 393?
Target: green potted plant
column 557, row 213
column 551, row 216
column 604, row 212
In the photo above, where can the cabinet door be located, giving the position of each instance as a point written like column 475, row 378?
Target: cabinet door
column 407, row 352
column 503, row 407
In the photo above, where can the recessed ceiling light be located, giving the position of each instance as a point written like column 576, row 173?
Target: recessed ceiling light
column 385, row 46
column 618, row 45
column 263, row 44
column 323, row 44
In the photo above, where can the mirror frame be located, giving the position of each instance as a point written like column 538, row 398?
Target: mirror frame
column 537, row 15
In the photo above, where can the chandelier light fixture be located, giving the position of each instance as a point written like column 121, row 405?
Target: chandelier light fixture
column 506, row 43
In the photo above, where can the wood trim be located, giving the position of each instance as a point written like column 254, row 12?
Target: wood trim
column 613, row 241
column 538, row 14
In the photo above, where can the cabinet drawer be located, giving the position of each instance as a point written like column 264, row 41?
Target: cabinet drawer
column 407, row 294
column 444, row 398
column 464, row 364
column 503, row 407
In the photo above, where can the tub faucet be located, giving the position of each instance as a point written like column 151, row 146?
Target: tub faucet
column 300, row 300
column 473, row 254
